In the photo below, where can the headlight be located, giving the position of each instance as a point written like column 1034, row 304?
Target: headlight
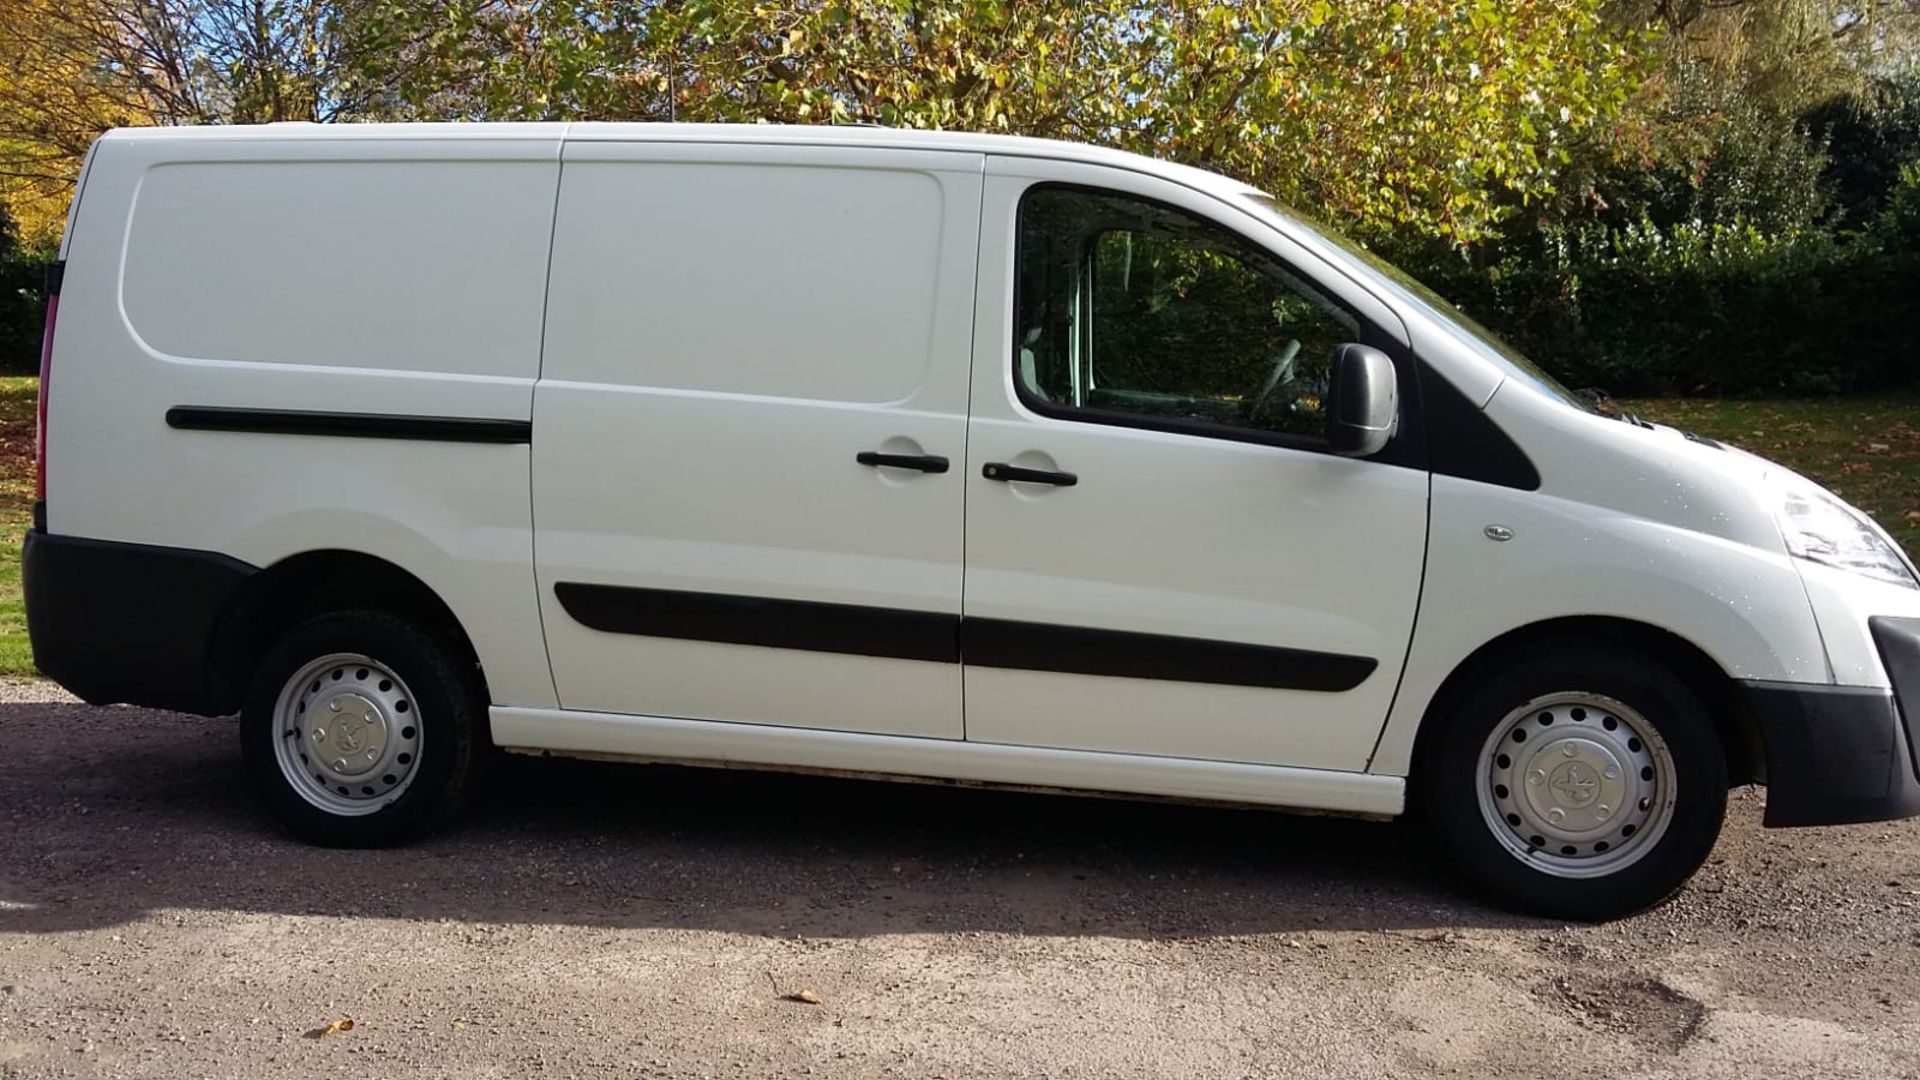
column 1822, row 529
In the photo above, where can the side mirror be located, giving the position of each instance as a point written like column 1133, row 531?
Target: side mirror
column 1363, row 401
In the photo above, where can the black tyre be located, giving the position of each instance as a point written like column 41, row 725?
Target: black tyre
column 360, row 729
column 1576, row 781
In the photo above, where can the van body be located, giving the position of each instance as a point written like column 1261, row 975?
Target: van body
column 918, row 455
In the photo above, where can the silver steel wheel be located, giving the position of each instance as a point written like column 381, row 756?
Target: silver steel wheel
column 1576, row 785
column 345, row 734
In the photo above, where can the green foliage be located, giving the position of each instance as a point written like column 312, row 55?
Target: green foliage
column 1711, row 309
column 18, row 397
column 1743, row 229
column 1434, row 115
column 1721, row 157
column 1869, row 136
column 22, row 301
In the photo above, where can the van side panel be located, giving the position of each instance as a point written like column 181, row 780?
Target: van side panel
column 372, row 277
column 395, row 265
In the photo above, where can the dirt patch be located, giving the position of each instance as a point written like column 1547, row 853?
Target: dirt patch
column 1642, row 1008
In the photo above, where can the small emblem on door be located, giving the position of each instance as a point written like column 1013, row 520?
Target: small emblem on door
column 1498, row 532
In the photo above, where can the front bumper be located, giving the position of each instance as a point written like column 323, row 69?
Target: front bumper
column 1836, row 755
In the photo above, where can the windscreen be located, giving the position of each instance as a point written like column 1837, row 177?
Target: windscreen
column 1409, row 290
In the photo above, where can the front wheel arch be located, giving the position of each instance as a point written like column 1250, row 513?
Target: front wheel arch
column 1734, row 723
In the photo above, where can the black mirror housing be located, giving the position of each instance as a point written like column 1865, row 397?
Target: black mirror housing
column 1363, row 401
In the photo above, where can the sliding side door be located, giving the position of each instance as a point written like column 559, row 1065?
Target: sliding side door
column 748, row 433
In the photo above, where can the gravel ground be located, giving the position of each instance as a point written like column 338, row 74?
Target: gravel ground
column 605, row 920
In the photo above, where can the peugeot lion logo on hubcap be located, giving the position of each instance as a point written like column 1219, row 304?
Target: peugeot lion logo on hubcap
column 1574, row 784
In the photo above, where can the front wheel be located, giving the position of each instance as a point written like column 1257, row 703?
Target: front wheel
column 1577, row 782
column 360, row 729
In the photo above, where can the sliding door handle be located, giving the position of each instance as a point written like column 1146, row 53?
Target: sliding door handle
column 928, row 463
column 1004, row 473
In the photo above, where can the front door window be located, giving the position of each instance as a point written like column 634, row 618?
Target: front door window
column 1129, row 310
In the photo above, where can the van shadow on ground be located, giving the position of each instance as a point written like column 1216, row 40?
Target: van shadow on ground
column 108, row 814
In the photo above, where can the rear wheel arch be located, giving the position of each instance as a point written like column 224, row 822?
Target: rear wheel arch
column 312, row 583
column 1734, row 724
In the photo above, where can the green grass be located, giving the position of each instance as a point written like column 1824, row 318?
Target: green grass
column 1867, row 449
column 18, row 394
column 1864, row 449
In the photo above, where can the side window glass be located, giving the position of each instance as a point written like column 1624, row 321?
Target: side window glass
column 1133, row 308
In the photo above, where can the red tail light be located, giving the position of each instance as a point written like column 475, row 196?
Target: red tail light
column 54, row 275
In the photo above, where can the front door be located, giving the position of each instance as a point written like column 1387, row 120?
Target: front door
column 1162, row 556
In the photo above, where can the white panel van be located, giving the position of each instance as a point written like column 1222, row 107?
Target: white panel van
column 917, row 455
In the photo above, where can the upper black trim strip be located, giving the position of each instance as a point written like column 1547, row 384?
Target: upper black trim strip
column 922, row 635
column 349, row 425
column 56, row 276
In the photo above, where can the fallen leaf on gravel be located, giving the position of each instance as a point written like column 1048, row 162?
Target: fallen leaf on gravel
column 345, row 1023
column 804, row 997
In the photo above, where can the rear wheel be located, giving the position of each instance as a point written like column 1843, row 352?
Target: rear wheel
column 360, row 729
column 1578, row 782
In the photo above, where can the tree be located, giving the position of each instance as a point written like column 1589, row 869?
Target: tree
column 71, row 69
column 1387, row 113
column 1735, row 127
column 1440, row 116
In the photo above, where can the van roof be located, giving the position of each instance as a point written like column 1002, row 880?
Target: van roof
column 850, row 135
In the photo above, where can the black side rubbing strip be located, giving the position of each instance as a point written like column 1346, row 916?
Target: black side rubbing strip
column 349, row 425
column 1039, row 647
column 752, row 620
column 917, row 635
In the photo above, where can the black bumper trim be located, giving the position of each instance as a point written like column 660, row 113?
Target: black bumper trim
column 1899, row 644
column 120, row 623
column 1836, row 755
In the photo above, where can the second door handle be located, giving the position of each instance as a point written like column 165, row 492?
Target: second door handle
column 995, row 470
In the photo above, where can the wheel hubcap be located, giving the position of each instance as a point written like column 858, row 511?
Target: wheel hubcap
column 345, row 734
column 1577, row 785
